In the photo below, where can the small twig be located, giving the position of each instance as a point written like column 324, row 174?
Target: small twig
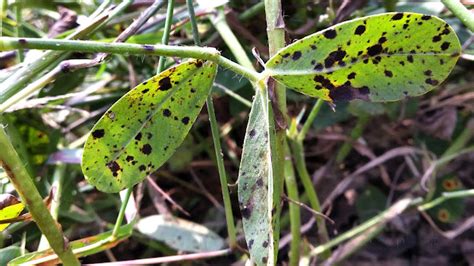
column 166, row 196
column 168, row 259
column 306, row 207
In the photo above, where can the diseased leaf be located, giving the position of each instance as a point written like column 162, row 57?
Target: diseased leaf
column 450, row 210
column 180, row 234
column 142, row 130
column 379, row 58
column 255, row 183
column 10, row 207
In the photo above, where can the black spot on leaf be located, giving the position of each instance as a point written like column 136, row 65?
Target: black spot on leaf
column 428, row 73
column 142, row 168
column 333, row 57
column 145, row 90
column 185, row 120
column 330, row 34
column 374, row 50
column 445, row 46
column 431, row 81
column 167, row 112
column 129, row 158
column 164, row 84
column 426, row 17
column 114, row 167
column 138, row 136
column 296, row 55
column 410, row 58
column 436, row 38
column 146, row 149
column 351, row 75
column 388, row 73
column 360, row 30
column 397, row 16
column 98, row 133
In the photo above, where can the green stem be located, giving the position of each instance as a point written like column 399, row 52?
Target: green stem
column 121, row 214
column 23, row 183
column 49, row 59
column 276, row 41
column 355, row 134
column 445, row 196
column 309, row 121
column 401, row 206
column 205, row 53
column 230, row 39
column 166, row 33
column 294, row 210
column 18, row 28
column 252, row 11
column 298, row 156
column 57, row 185
column 229, row 216
column 461, row 12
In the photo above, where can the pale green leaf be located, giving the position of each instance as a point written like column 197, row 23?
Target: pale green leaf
column 10, row 207
column 180, row 234
column 142, row 130
column 380, row 58
column 255, row 183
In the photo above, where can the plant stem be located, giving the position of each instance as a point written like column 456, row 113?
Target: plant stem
column 399, row 206
column 166, row 33
column 230, row 39
column 355, row 134
column 205, row 53
column 57, row 185
column 298, row 156
column 252, row 11
column 294, row 210
column 121, row 214
column 445, row 196
column 309, row 121
column 49, row 59
column 18, row 28
column 21, row 180
column 276, row 41
column 461, row 12
column 229, row 216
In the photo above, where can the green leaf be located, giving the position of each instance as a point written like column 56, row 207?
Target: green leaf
column 10, row 207
column 142, row 130
column 180, row 234
column 81, row 248
column 450, row 210
column 370, row 203
column 9, row 253
column 255, row 183
column 379, row 58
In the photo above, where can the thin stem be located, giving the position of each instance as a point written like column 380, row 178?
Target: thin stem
column 309, row 121
column 23, row 183
column 49, row 59
column 461, row 12
column 299, row 159
column 230, row 39
column 205, row 53
column 399, row 207
column 446, row 196
column 18, row 28
column 294, row 210
column 121, row 214
column 276, row 41
column 355, row 134
column 229, row 216
column 57, row 186
column 166, row 33
column 252, row 11
column 194, row 26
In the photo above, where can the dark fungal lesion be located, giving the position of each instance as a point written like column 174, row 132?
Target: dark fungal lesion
column 146, row 149
column 360, row 30
column 330, row 33
column 98, row 133
column 296, row 55
column 164, row 84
